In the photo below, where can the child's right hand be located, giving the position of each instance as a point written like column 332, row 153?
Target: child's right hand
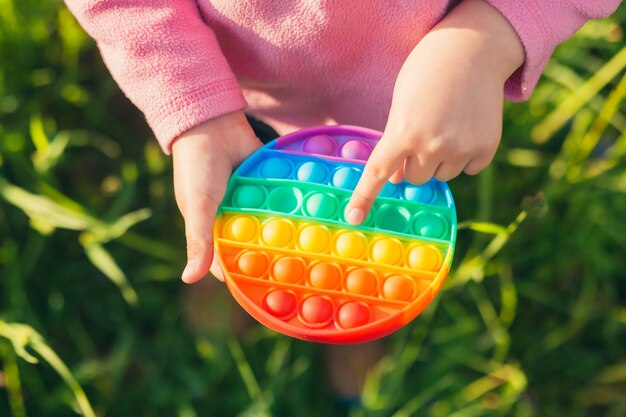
column 446, row 111
column 204, row 158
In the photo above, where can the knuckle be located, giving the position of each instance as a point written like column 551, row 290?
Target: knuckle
column 209, row 202
column 361, row 197
column 474, row 168
column 416, row 178
column 486, row 148
column 472, row 171
column 443, row 176
column 438, row 145
column 377, row 171
column 196, row 246
column 199, row 203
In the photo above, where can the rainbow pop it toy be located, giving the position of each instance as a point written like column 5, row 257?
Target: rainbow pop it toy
column 294, row 263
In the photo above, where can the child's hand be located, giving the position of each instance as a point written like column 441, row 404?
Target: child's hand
column 204, row 158
column 446, row 112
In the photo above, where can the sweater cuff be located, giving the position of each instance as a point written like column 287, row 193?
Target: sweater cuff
column 531, row 28
column 184, row 112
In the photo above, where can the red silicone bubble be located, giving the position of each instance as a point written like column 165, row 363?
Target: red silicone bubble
column 317, row 311
column 353, row 314
column 281, row 303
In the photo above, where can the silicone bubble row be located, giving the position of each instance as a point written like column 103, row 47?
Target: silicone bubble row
column 330, row 205
column 344, row 243
column 329, row 276
column 345, row 147
column 341, row 177
column 316, row 311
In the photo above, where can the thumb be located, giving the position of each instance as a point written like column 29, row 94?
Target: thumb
column 201, row 172
column 204, row 158
column 199, row 216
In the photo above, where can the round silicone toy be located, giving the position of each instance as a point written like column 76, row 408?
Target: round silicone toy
column 294, row 263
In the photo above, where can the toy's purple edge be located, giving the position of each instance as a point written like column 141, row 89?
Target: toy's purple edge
column 327, row 130
column 358, row 162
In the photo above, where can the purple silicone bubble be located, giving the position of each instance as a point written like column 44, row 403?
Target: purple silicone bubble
column 356, row 149
column 320, row 144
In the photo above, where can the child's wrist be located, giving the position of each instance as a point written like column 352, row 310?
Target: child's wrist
column 231, row 122
column 230, row 127
column 230, row 133
column 501, row 35
column 480, row 36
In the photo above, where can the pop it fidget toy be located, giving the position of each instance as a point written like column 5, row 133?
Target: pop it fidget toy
column 294, row 263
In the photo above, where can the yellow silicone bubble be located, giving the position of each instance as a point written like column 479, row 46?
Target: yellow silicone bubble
column 424, row 258
column 350, row 245
column 314, row 238
column 278, row 233
column 241, row 229
column 387, row 251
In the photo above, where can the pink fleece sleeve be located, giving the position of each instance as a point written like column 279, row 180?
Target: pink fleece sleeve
column 165, row 59
column 541, row 26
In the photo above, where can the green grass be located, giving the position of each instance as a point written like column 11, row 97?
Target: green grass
column 532, row 321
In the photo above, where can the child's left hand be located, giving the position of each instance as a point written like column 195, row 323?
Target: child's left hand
column 446, row 113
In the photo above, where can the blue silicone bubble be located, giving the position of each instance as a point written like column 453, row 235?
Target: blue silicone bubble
column 388, row 190
column 346, row 178
column 275, row 168
column 312, row 172
column 419, row 193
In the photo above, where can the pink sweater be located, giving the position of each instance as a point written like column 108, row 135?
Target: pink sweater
column 291, row 63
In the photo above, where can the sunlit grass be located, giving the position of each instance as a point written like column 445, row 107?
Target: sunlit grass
column 93, row 319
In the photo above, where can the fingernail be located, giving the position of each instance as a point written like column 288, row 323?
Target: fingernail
column 189, row 270
column 355, row 216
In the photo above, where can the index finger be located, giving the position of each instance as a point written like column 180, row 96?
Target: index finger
column 382, row 163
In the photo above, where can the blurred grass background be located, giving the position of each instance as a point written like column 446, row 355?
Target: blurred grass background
column 532, row 321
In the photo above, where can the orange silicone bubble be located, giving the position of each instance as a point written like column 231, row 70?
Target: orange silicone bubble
column 288, row 269
column 253, row 264
column 361, row 281
column 398, row 287
column 325, row 275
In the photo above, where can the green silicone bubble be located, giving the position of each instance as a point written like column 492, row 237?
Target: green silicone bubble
column 430, row 225
column 392, row 218
column 321, row 205
column 284, row 199
column 249, row 196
